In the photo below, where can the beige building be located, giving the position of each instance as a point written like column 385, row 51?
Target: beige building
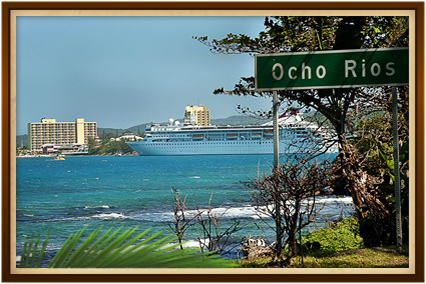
column 197, row 115
column 48, row 131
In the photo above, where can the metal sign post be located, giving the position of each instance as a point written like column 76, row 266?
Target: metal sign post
column 276, row 131
column 396, row 169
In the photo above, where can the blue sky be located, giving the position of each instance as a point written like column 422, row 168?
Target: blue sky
column 124, row 71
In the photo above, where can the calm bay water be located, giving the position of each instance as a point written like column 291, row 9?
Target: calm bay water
column 62, row 197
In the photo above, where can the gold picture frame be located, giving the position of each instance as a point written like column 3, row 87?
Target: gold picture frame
column 10, row 10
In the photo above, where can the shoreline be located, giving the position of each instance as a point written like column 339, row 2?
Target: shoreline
column 73, row 155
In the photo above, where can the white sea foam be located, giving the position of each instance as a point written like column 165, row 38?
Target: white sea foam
column 343, row 204
column 110, row 216
column 233, row 212
column 154, row 217
column 100, row 206
column 343, row 199
column 97, row 216
column 249, row 211
column 191, row 243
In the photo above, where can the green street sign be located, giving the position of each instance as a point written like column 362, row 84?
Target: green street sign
column 331, row 69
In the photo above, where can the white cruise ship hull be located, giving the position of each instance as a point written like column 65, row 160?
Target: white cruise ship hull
column 144, row 148
column 203, row 148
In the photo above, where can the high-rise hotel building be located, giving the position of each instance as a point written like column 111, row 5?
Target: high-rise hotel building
column 48, row 131
column 197, row 115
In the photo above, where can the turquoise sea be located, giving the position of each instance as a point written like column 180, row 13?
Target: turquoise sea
column 62, row 197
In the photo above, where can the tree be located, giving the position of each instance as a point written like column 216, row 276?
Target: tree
column 294, row 34
column 288, row 196
column 213, row 237
column 93, row 149
column 108, row 147
column 182, row 220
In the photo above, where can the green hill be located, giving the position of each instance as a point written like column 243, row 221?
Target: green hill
column 21, row 140
column 238, row 120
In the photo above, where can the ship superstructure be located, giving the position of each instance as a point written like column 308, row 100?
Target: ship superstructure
column 295, row 136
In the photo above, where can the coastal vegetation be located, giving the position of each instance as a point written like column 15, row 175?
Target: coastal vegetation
column 108, row 147
column 351, row 112
column 288, row 196
column 337, row 236
column 337, row 245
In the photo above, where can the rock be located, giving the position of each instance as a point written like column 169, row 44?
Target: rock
column 254, row 248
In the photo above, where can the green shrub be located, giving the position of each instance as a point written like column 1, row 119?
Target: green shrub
column 337, row 237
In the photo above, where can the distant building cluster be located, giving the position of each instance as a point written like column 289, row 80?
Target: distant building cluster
column 127, row 136
column 197, row 115
column 49, row 136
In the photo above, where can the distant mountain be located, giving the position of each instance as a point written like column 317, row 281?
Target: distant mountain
column 238, row 120
column 135, row 129
column 21, row 140
column 116, row 131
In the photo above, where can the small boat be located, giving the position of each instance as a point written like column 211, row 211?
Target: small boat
column 59, row 159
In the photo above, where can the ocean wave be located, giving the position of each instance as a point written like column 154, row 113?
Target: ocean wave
column 152, row 216
column 247, row 211
column 338, row 199
column 191, row 243
column 106, row 216
column 334, row 208
column 110, row 216
column 258, row 212
column 100, row 206
column 233, row 212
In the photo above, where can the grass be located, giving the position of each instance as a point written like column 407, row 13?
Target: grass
column 360, row 258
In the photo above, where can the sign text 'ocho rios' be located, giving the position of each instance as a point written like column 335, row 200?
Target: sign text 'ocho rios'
column 332, row 69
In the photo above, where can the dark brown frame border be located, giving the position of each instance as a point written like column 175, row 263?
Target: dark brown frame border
column 418, row 7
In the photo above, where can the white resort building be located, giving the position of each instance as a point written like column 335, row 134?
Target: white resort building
column 127, row 136
column 51, row 136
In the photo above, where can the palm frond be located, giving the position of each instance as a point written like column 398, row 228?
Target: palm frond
column 114, row 250
column 29, row 254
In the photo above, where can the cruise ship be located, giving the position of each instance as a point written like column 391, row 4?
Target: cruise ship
column 295, row 136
